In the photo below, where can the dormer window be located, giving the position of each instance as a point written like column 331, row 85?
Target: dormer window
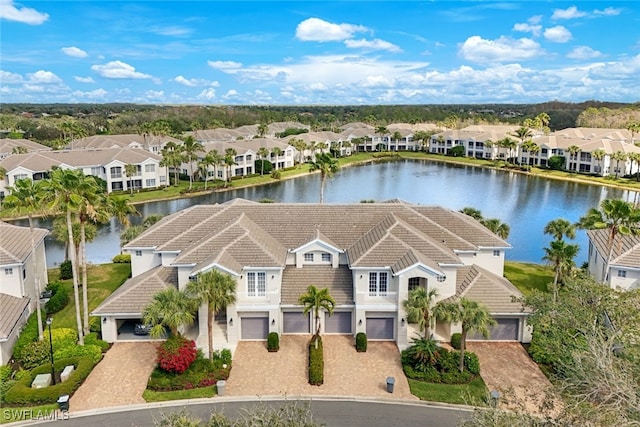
column 308, row 257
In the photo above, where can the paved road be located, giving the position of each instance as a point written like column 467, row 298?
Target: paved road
column 332, row 413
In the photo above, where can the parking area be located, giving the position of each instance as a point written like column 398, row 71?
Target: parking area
column 256, row 372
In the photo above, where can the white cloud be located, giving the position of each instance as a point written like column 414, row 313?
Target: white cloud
column 74, row 51
column 557, row 34
column 231, row 93
column 375, row 44
column 207, row 94
column 314, row 29
column 154, row 94
column 87, row 79
column 24, row 15
column 569, row 13
column 503, row 49
column 172, row 31
column 93, row 94
column 317, row 86
column 45, row 77
column 9, row 78
column 609, row 11
column 194, row 82
column 224, row 65
column 535, row 19
column 525, row 27
column 118, row 70
column 584, row 52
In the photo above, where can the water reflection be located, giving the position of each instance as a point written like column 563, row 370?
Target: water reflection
column 526, row 203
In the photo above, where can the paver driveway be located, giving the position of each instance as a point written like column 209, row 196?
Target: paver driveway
column 507, row 368
column 256, row 372
column 119, row 379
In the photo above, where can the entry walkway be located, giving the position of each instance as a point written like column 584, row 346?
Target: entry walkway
column 256, row 372
column 119, row 379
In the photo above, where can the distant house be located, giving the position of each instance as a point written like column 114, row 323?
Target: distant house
column 149, row 142
column 474, row 139
column 624, row 268
column 9, row 146
column 107, row 164
column 18, row 278
column 369, row 256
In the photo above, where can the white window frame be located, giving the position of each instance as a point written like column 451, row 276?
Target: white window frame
column 8, row 271
column 151, row 182
column 496, row 252
column 308, row 257
column 622, row 274
column 138, row 252
column 378, row 283
column 326, row 257
column 150, row 168
column 257, row 284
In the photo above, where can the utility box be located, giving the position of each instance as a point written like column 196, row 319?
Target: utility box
column 63, row 402
column 390, row 383
column 221, row 385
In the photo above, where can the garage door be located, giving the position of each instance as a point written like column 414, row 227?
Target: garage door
column 380, row 328
column 254, row 328
column 295, row 323
column 504, row 330
column 338, row 323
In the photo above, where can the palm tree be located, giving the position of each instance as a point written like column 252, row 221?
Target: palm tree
column 212, row 158
column 560, row 256
column 490, row 144
column 472, row 316
column 559, row 228
column 419, row 307
column 635, row 158
column 229, row 160
column 382, row 131
column 190, row 149
column 277, row 152
column 62, row 190
column 534, row 149
column 573, row 151
column 472, row 212
column 397, row 136
column 263, row 128
column 314, row 300
column 327, row 167
column 300, row 146
column 523, row 133
column 510, row 145
column 615, row 215
column 498, row 227
column 172, row 156
column 26, row 197
column 19, row 150
column 130, row 171
column 634, row 128
column 618, row 156
column 171, row 309
column 262, row 153
column 215, row 289
column 599, row 154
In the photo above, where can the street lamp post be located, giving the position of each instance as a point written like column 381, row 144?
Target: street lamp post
column 53, row 369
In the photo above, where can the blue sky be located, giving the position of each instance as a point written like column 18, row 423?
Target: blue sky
column 313, row 52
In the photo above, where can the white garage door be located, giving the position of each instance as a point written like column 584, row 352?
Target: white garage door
column 338, row 323
column 295, row 323
column 380, row 328
column 254, row 328
column 506, row 329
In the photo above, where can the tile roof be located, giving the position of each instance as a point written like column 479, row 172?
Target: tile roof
column 626, row 249
column 15, row 242
column 11, row 308
column 339, row 281
column 136, row 293
column 7, row 145
column 121, row 141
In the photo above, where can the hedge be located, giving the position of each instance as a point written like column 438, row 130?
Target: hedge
column 87, row 350
column 21, row 392
column 58, row 300
column 28, row 334
column 66, row 270
column 316, row 362
column 273, row 342
column 456, row 340
column 122, row 259
column 92, row 339
column 361, row 342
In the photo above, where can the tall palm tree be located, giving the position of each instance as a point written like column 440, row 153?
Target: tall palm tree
column 262, row 153
column 26, row 197
column 559, row 228
column 229, row 160
column 171, row 309
column 472, row 212
column 618, row 156
column 599, row 154
column 510, row 145
column 300, row 146
column 498, row 227
column 397, row 136
column 121, row 209
column 616, row 215
column 130, row 171
column 382, row 131
column 215, row 289
column 560, row 255
column 277, row 152
column 635, row 158
column 172, row 156
column 263, row 128
column 573, row 155
column 212, row 158
column 327, row 167
column 524, row 134
column 419, row 307
column 314, row 300
column 472, row 316
column 534, row 149
column 62, row 191
column 190, row 149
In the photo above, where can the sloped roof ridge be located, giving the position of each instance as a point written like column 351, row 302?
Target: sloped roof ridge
column 480, row 271
column 372, row 238
column 209, row 237
column 222, row 253
column 169, row 219
column 414, row 209
column 260, row 236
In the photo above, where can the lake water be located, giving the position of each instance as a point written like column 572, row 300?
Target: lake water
column 524, row 202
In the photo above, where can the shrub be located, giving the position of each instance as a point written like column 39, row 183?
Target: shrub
column 6, row 380
column 456, row 340
column 92, row 339
column 455, row 377
column 62, row 337
column 58, row 300
column 95, row 325
column 273, row 342
column 21, row 392
column 92, row 351
column 122, row 259
column 361, row 342
column 66, row 270
column 316, row 362
column 471, row 363
column 35, row 354
column 176, row 354
column 222, row 357
column 276, row 174
column 268, row 166
column 201, row 373
column 28, row 335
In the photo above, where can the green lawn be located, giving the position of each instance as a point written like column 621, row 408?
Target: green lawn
column 474, row 393
column 42, row 412
column 194, row 393
column 527, row 277
column 103, row 279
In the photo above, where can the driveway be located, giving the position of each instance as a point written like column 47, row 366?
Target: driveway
column 507, row 368
column 256, row 372
column 119, row 379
